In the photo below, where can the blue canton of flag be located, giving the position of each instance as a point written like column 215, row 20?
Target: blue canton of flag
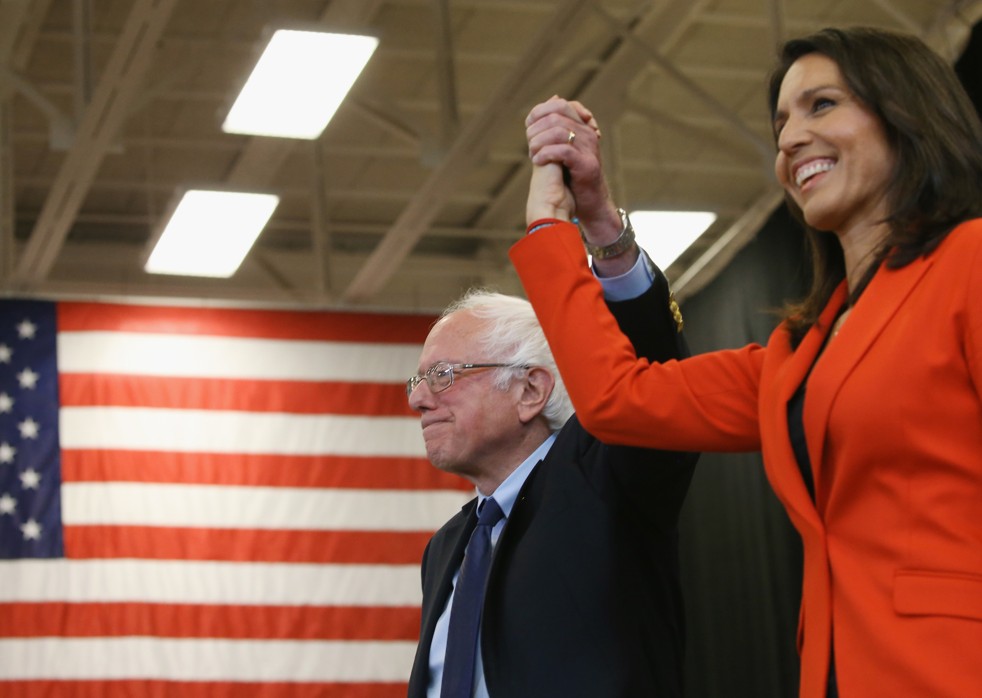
column 30, row 464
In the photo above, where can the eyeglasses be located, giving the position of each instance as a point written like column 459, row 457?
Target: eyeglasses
column 440, row 375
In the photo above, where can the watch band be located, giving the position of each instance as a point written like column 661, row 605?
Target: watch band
column 622, row 244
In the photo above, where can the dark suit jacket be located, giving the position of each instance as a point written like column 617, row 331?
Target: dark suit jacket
column 583, row 596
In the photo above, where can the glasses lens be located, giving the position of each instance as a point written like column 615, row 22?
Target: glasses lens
column 439, row 376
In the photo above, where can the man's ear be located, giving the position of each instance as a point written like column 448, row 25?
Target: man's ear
column 536, row 386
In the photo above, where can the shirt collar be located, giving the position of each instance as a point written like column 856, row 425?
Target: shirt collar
column 507, row 492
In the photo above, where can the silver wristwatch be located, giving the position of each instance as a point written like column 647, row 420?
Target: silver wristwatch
column 622, row 244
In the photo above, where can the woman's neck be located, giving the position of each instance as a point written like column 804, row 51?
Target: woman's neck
column 860, row 247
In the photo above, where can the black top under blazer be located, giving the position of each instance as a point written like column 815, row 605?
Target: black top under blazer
column 583, row 597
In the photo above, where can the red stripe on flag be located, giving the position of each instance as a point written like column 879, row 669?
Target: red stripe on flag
column 244, row 545
column 385, row 623
column 183, row 689
column 354, row 472
column 378, row 328
column 293, row 397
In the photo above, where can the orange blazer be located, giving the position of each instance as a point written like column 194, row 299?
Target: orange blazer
column 893, row 423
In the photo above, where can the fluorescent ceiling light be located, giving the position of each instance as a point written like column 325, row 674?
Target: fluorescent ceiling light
column 298, row 83
column 210, row 233
column 667, row 234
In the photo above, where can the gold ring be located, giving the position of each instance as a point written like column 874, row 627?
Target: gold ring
column 571, row 137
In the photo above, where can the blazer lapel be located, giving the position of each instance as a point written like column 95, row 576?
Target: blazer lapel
column 447, row 561
column 790, row 368
column 881, row 300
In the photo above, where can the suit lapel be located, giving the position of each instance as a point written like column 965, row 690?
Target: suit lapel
column 532, row 500
column 881, row 300
column 447, row 560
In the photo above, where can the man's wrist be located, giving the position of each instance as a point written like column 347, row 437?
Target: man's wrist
column 623, row 243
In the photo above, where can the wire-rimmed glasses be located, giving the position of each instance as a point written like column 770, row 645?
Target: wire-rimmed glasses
column 440, row 375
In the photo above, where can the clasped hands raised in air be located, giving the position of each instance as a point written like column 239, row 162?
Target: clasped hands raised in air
column 564, row 135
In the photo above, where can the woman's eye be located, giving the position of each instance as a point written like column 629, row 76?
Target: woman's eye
column 821, row 103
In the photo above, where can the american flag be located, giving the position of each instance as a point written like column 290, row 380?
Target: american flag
column 210, row 501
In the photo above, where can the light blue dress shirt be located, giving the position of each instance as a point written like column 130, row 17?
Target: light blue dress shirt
column 632, row 283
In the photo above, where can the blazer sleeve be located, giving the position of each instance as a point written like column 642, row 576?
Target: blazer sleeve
column 702, row 403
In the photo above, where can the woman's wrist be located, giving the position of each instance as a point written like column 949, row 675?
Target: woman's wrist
column 540, row 223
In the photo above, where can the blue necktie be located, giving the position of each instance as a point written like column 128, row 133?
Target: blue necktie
column 468, row 599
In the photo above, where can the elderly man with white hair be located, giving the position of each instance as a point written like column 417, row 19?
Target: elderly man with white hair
column 569, row 585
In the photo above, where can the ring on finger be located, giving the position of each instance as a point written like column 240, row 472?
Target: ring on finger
column 571, row 137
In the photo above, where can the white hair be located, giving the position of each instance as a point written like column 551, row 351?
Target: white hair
column 515, row 337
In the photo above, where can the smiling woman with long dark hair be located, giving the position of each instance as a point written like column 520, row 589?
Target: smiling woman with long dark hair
column 866, row 401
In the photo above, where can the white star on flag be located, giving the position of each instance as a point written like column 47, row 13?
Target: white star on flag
column 29, row 429
column 31, row 530
column 6, row 403
column 27, row 379
column 7, row 453
column 5, row 354
column 7, row 504
column 30, row 479
column 26, row 329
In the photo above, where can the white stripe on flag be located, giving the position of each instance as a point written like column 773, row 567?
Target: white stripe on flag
column 172, row 581
column 216, row 506
column 217, row 431
column 229, row 357
column 205, row 660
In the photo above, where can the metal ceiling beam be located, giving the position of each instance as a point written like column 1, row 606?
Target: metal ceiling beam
column 446, row 74
column 466, row 152
column 657, row 57
column 120, row 80
column 19, row 22
column 777, row 22
column 605, row 94
column 703, row 129
column 321, row 229
column 904, row 20
column 12, row 18
column 711, row 262
column 7, row 220
column 81, row 31
column 116, row 267
column 952, row 27
column 61, row 128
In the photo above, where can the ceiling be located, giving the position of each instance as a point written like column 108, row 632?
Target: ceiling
column 416, row 189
